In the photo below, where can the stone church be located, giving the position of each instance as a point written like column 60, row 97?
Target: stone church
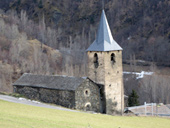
column 101, row 91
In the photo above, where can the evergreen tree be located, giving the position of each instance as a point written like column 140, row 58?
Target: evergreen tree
column 40, row 4
column 19, row 2
column 133, row 99
column 35, row 1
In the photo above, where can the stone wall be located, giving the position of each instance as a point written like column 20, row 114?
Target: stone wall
column 88, row 97
column 114, row 83
column 111, row 76
column 96, row 74
column 59, row 97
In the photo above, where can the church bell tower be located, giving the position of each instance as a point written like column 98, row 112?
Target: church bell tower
column 105, row 67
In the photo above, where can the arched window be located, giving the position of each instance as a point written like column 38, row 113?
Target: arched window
column 88, row 106
column 113, row 58
column 96, row 63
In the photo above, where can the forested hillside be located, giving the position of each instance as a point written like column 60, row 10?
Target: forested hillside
column 22, row 54
column 51, row 36
column 141, row 27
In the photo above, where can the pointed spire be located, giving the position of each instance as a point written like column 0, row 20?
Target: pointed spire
column 104, row 40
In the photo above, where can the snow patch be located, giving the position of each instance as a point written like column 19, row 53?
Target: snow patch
column 139, row 75
column 142, row 61
column 35, row 102
column 21, row 98
column 29, row 100
column 84, row 77
column 129, row 38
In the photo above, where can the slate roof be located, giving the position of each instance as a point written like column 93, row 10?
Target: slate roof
column 104, row 40
column 50, row 82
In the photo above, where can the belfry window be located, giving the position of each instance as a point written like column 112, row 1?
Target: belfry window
column 96, row 63
column 113, row 58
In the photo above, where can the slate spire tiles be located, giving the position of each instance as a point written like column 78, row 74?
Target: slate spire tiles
column 104, row 40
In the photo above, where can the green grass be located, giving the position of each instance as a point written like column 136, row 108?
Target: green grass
column 14, row 115
column 16, row 95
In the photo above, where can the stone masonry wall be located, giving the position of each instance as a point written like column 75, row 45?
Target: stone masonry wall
column 59, row 97
column 96, row 74
column 114, row 83
column 111, row 76
column 30, row 93
column 88, row 97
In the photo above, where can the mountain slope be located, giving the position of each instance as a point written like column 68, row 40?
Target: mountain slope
column 140, row 27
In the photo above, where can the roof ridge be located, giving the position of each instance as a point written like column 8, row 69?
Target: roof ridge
column 53, row 75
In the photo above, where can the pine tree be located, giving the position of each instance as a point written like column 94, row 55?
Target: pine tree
column 35, row 1
column 133, row 99
column 40, row 4
column 19, row 2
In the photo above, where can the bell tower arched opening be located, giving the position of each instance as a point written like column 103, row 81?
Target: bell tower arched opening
column 112, row 58
column 96, row 63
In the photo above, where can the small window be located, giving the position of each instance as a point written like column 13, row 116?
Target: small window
column 113, row 58
column 96, row 63
column 87, row 92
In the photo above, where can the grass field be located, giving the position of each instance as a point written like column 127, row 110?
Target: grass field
column 14, row 115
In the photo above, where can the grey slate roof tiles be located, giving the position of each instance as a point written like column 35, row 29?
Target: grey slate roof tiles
column 51, row 82
column 104, row 40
